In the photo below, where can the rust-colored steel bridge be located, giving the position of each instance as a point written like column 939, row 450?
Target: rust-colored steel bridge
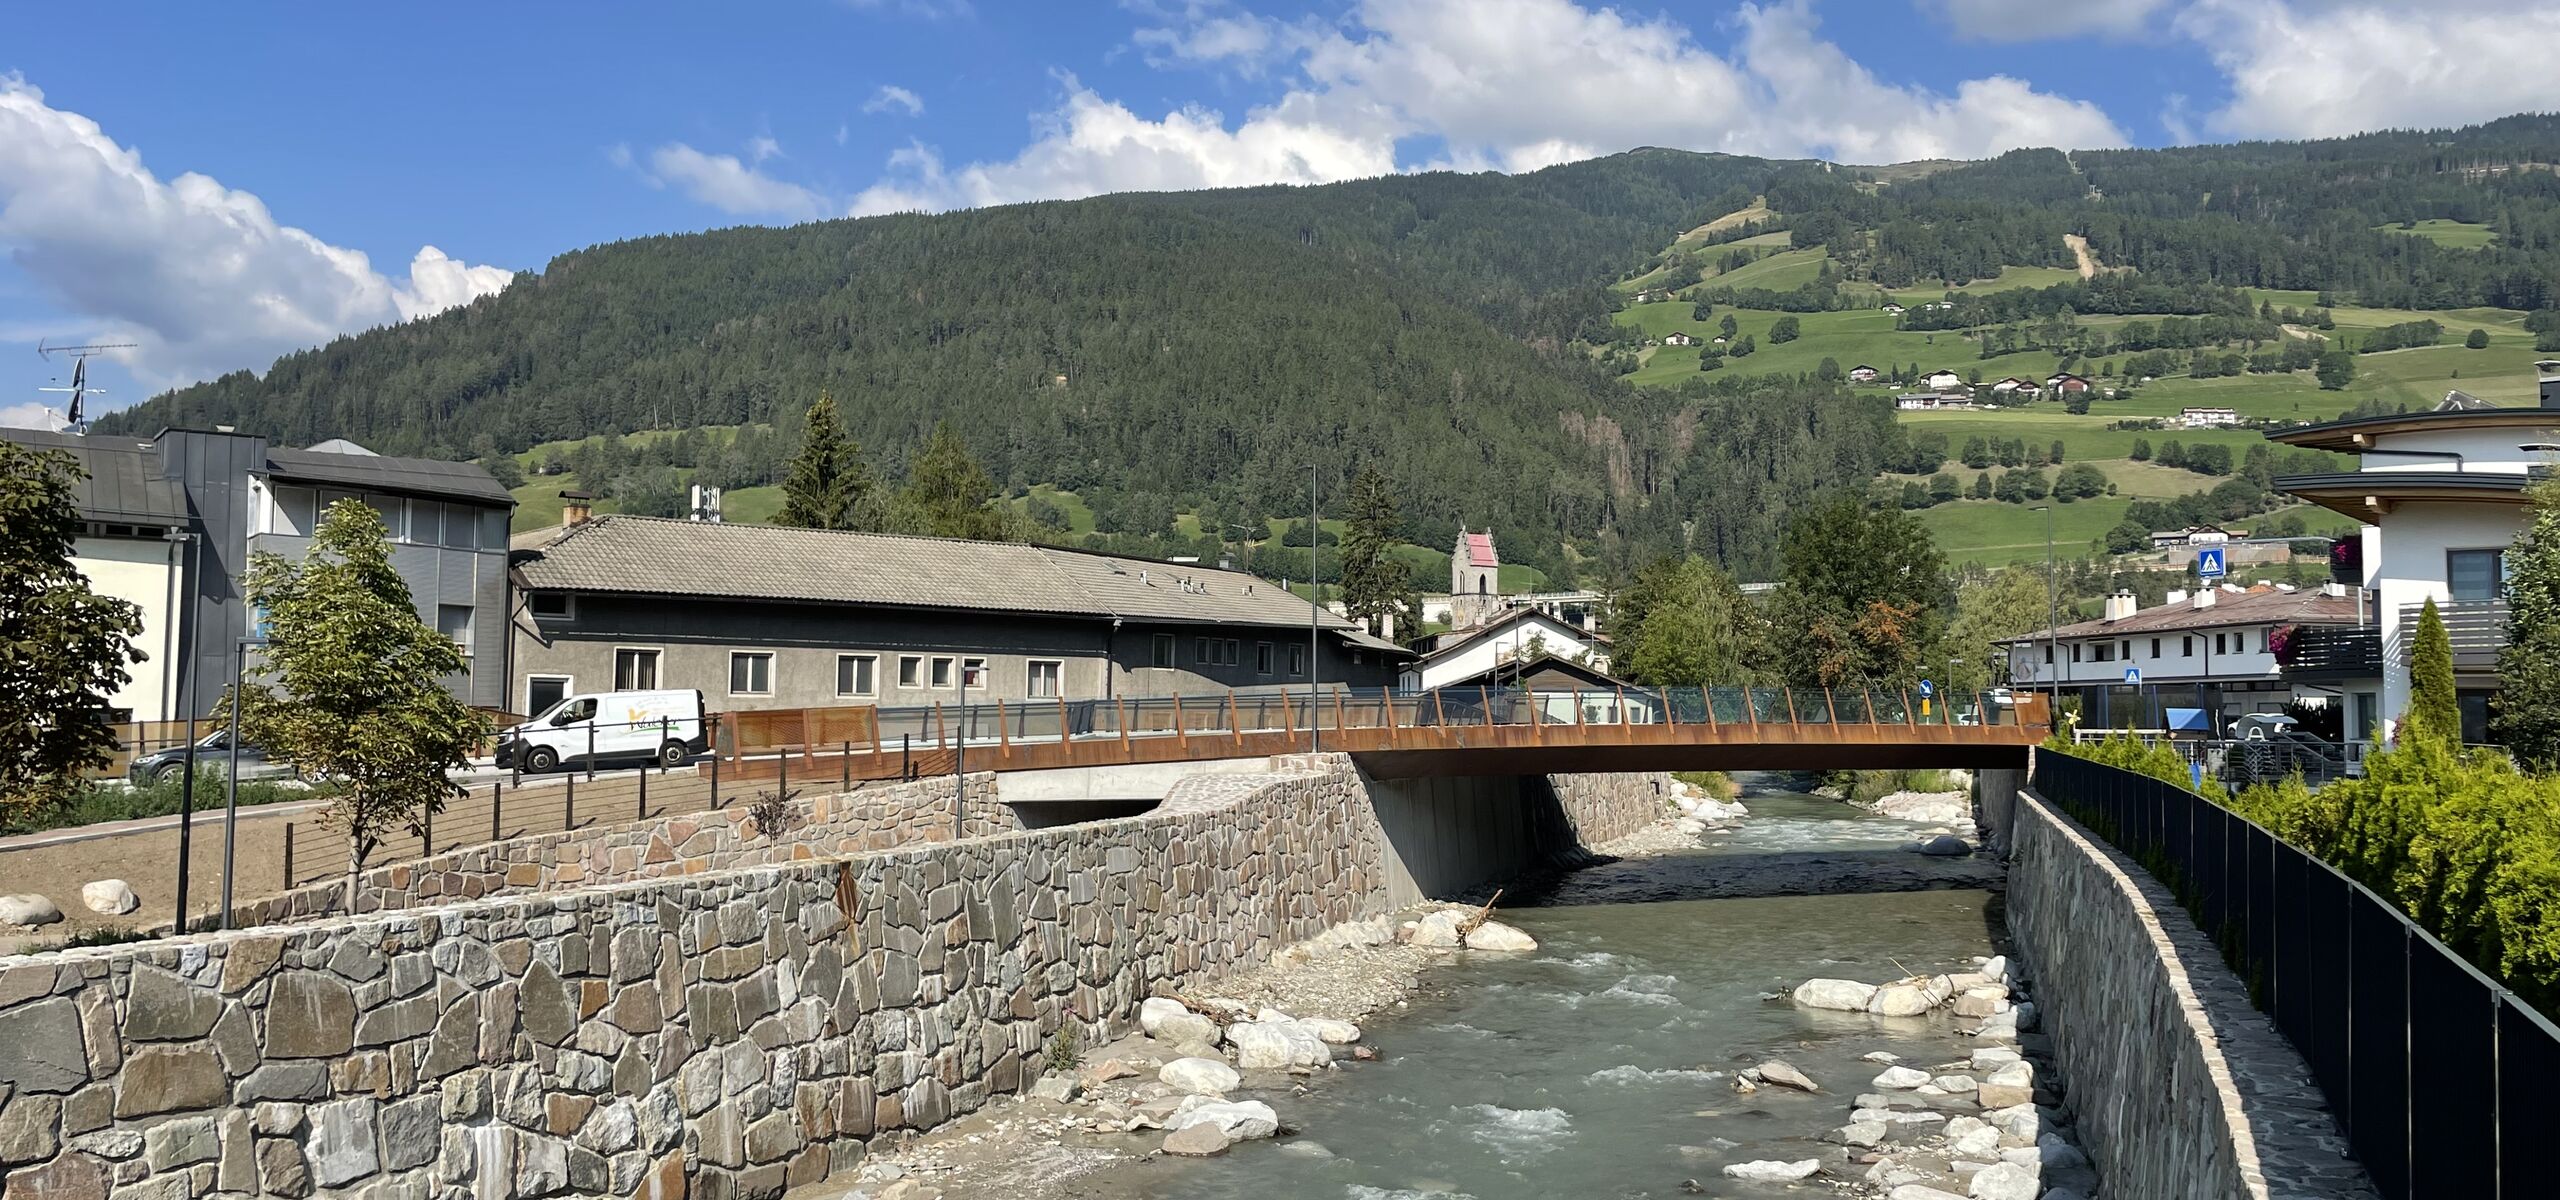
column 1449, row 731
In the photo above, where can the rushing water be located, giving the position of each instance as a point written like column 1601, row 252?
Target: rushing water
column 1601, row 1066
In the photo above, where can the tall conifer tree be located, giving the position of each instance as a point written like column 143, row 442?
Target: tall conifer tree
column 827, row 487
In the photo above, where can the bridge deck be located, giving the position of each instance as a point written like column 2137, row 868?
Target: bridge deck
column 1475, row 731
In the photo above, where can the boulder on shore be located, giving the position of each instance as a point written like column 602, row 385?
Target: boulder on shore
column 1200, row 1076
column 28, row 908
column 1203, row 1140
column 1494, row 935
column 1169, row 1020
column 113, row 897
column 1839, row 995
column 1241, row 1120
column 1439, row 930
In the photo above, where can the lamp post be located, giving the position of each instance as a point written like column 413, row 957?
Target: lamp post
column 2052, row 617
column 185, row 666
column 231, row 778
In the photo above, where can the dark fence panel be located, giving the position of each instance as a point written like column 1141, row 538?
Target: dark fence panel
column 2440, row 1078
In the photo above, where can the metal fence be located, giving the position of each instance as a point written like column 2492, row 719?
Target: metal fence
column 2440, row 1078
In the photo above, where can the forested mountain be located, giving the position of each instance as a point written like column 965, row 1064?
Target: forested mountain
column 1199, row 350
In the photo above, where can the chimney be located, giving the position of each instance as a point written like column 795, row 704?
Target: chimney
column 2121, row 605
column 2333, row 588
column 2548, row 371
column 2176, row 596
column 2204, row 598
column 576, row 508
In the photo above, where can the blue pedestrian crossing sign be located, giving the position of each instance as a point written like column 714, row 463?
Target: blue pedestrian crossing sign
column 2133, row 674
column 1928, row 689
column 2209, row 562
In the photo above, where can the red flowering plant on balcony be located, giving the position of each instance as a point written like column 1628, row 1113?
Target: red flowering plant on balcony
column 2281, row 644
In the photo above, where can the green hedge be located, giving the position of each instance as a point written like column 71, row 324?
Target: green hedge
column 104, row 801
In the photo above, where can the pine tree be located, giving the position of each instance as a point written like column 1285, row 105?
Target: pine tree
column 63, row 648
column 827, row 487
column 2528, row 705
column 1373, row 580
column 359, row 696
column 2434, row 717
column 949, row 495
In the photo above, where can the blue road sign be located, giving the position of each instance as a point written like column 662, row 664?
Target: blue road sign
column 1927, row 688
column 2133, row 674
column 2209, row 562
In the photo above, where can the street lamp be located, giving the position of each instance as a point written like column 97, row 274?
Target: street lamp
column 185, row 666
column 2052, row 616
column 231, row 781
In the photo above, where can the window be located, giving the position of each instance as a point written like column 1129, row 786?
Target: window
column 1231, row 653
column 543, row 691
column 2124, row 650
column 1297, row 660
column 857, row 674
column 297, row 510
column 391, row 510
column 461, row 525
column 2075, row 651
column 2187, row 646
column 973, row 674
column 551, row 605
column 2475, row 574
column 942, row 672
column 2155, row 647
column 1043, row 678
column 637, row 670
column 426, row 522
column 2048, row 654
column 1262, row 658
column 1161, row 653
column 1206, row 652
column 910, row 670
column 454, row 621
column 750, row 673
column 2103, row 652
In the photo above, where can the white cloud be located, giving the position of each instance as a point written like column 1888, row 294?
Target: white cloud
column 1506, row 84
column 30, row 415
column 761, row 148
column 2032, row 20
column 201, row 275
column 731, row 186
column 891, row 96
column 2301, row 69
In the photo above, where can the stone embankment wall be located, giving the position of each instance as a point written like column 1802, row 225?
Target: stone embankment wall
column 875, row 817
column 716, row 1034
column 2183, row 1089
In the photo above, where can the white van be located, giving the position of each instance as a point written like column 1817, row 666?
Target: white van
column 665, row 727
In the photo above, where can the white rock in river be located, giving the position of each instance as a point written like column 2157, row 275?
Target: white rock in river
column 1953, row 1084
column 1908, row 998
column 1439, row 930
column 1770, row 1170
column 2003, row 1181
column 1200, row 1076
column 1920, row 1191
column 2016, row 1074
column 1978, row 1142
column 1996, row 967
column 1494, row 935
column 1991, row 1057
column 28, row 909
column 1331, row 1032
column 113, row 897
column 1242, row 1120
column 1274, row 1045
column 1841, row 995
column 1861, row 1133
column 1900, row 1079
column 1784, row 1074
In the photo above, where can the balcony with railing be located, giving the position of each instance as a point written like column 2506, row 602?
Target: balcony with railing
column 2328, row 651
column 2478, row 629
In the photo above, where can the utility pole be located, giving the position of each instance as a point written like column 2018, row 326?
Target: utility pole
column 1315, row 623
column 2052, row 620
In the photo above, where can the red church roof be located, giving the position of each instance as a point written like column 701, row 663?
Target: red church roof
column 1480, row 550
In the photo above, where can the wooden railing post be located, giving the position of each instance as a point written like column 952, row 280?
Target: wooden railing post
column 1337, row 711
column 1789, row 692
column 1063, row 737
column 1622, row 704
column 1235, row 721
column 1485, row 699
column 1439, row 710
column 1120, row 706
column 1288, row 716
column 1181, row 736
column 1537, row 728
column 941, row 730
column 1669, row 716
column 1004, row 736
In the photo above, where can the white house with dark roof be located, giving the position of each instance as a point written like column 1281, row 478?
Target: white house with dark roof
column 1518, row 639
column 2442, row 496
column 2217, row 649
column 763, row 616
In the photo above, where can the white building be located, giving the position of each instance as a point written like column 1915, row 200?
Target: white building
column 1942, row 380
column 2215, row 650
column 1517, row 638
column 2208, row 418
column 2442, row 496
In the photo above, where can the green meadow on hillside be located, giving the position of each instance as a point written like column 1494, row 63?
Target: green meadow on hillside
column 2459, row 235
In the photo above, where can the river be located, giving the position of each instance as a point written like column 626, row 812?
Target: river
column 1602, row 1065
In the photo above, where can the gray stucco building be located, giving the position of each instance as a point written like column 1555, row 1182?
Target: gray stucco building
column 759, row 616
column 238, row 496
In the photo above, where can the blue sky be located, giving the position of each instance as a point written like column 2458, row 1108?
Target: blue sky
column 203, row 183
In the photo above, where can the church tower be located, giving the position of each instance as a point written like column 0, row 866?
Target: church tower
column 1475, row 579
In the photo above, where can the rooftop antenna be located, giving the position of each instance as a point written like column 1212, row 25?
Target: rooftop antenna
column 75, row 416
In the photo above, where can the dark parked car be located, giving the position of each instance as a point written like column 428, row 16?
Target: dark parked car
column 212, row 754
